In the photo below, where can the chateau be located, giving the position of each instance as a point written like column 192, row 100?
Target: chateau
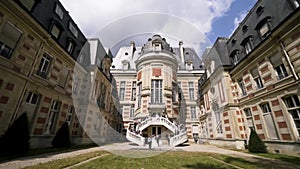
column 248, row 81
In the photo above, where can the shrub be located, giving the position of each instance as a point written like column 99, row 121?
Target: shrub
column 15, row 140
column 62, row 137
column 256, row 145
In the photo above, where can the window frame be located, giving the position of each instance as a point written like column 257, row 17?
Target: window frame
column 45, row 58
column 122, row 90
column 59, row 11
column 191, row 91
column 242, row 87
column 294, row 110
column 156, row 91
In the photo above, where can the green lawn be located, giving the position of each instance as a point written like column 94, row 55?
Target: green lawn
column 167, row 160
column 283, row 157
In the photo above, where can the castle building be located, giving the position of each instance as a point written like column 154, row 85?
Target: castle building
column 252, row 80
column 157, row 88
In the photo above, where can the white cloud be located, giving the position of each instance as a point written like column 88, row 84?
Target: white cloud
column 93, row 16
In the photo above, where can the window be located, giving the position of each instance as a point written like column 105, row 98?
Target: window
column 59, row 11
column 281, row 71
column 120, row 113
column 263, row 27
column 156, row 46
column 55, row 31
column 248, row 115
column 259, row 10
column 28, row 4
column 218, row 122
column 73, row 29
column 122, row 90
column 269, row 121
column 133, row 91
column 265, row 108
column 44, row 66
column 70, row 47
column 242, row 87
column 278, row 66
column 76, row 85
column 139, row 94
column 191, row 91
column 245, row 28
column 193, row 113
column 9, row 37
column 174, row 91
column 32, row 98
column 63, row 76
column 70, row 115
column 131, row 111
column 293, row 105
column 52, row 118
column 247, row 47
column 257, row 79
column 156, row 91
column 235, row 57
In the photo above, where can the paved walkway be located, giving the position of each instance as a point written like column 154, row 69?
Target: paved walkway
column 126, row 149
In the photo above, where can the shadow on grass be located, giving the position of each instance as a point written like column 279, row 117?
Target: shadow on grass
column 44, row 152
column 203, row 166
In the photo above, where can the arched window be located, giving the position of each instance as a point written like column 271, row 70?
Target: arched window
column 264, row 27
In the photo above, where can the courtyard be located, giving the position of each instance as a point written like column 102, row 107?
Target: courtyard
column 129, row 156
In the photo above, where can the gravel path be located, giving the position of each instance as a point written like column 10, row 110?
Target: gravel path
column 124, row 147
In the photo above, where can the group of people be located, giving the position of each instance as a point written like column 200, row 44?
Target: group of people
column 153, row 141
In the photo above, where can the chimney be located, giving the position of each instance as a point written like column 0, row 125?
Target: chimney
column 132, row 48
column 181, row 51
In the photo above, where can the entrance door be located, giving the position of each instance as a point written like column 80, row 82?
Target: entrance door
column 156, row 130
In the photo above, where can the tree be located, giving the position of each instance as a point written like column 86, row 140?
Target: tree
column 256, row 145
column 62, row 137
column 15, row 140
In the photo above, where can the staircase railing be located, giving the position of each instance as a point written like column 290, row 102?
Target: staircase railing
column 179, row 139
column 135, row 138
column 157, row 121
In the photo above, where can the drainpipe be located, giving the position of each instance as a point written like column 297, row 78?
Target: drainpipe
column 287, row 57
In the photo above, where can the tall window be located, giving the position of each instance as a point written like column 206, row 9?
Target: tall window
column 70, row 47
column 131, row 111
column 248, row 115
column 191, row 91
column 269, row 121
column 59, row 11
column 31, row 105
column 133, row 91
column 122, row 90
column 63, row 76
column 76, row 85
column 139, row 94
column 242, row 87
column 193, row 113
column 52, row 118
column 216, row 109
column 70, row 115
column 156, row 91
column 278, row 66
column 257, row 79
column 44, row 66
column 9, row 37
column 73, row 29
column 247, row 47
column 235, row 57
column 293, row 105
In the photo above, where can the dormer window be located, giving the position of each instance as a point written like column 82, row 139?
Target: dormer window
column 245, row 28
column 70, row 46
column 55, row 30
column 247, row 44
column 189, row 65
column 263, row 27
column 235, row 57
column 28, row 4
column 59, row 11
column 73, row 29
column 233, row 42
column 295, row 3
column 259, row 10
column 125, row 64
column 157, row 46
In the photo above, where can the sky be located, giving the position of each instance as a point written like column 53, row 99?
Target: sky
column 197, row 23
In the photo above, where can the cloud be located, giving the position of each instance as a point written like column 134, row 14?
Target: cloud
column 92, row 16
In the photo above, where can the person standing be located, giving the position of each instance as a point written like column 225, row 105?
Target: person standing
column 150, row 142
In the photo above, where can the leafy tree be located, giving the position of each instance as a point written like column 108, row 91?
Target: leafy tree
column 15, row 140
column 62, row 137
column 256, row 145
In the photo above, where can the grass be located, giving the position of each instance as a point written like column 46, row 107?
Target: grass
column 283, row 157
column 170, row 160
column 34, row 152
column 62, row 163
